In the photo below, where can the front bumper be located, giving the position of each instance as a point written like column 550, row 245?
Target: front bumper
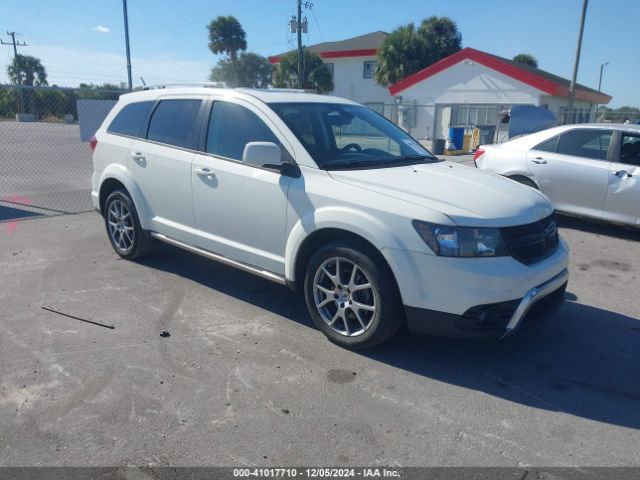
column 496, row 320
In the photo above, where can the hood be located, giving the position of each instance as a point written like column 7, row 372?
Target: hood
column 470, row 197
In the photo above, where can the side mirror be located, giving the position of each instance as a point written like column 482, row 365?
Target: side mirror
column 261, row 154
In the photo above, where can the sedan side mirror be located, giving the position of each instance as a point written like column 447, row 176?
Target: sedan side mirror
column 262, row 154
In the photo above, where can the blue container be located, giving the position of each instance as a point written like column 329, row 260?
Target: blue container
column 457, row 137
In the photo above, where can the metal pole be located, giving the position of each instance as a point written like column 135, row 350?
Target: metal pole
column 126, row 39
column 299, row 32
column 572, row 88
column 601, row 70
column 15, row 57
column 15, row 48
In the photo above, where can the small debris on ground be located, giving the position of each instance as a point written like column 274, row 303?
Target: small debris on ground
column 164, row 334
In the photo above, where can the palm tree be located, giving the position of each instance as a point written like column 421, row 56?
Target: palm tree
column 401, row 54
column 408, row 49
column 27, row 70
column 526, row 59
column 317, row 75
column 226, row 35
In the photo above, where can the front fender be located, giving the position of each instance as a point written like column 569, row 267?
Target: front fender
column 381, row 235
column 120, row 173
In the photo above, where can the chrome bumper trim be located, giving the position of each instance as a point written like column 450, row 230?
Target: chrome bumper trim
column 534, row 295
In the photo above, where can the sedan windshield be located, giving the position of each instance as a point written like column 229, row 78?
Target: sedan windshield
column 340, row 137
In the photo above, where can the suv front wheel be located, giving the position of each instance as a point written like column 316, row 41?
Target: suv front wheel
column 352, row 296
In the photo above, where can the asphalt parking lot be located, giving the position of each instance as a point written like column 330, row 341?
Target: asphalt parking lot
column 245, row 378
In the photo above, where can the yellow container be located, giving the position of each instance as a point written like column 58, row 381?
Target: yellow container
column 466, row 143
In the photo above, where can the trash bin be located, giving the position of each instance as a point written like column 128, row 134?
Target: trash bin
column 438, row 148
column 456, row 134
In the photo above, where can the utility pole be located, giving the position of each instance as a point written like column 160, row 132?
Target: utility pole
column 601, row 70
column 126, row 39
column 299, row 32
column 15, row 56
column 572, row 87
column 14, row 43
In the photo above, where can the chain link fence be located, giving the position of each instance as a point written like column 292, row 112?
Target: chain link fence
column 45, row 158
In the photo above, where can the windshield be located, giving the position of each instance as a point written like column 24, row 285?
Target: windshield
column 342, row 137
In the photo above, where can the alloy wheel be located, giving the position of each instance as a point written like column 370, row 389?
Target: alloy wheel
column 120, row 223
column 344, row 296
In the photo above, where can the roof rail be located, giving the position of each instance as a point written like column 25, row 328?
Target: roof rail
column 283, row 90
column 186, row 84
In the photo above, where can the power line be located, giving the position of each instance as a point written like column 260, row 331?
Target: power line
column 317, row 24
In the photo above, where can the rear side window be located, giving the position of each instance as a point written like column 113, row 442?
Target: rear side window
column 589, row 143
column 130, row 120
column 547, row 145
column 175, row 122
column 231, row 127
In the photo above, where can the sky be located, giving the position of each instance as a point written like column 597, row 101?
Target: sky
column 83, row 40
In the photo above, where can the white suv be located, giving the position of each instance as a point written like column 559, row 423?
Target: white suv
column 330, row 198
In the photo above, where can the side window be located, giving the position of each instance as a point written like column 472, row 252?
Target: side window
column 588, row 143
column 130, row 120
column 175, row 122
column 630, row 149
column 547, row 145
column 231, row 127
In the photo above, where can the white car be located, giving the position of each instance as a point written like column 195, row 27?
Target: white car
column 332, row 199
column 591, row 170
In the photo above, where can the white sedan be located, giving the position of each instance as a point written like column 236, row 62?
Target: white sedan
column 590, row 170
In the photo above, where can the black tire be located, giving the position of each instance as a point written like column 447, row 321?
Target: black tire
column 132, row 242
column 383, row 294
column 524, row 181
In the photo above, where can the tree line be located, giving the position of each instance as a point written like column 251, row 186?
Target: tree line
column 406, row 50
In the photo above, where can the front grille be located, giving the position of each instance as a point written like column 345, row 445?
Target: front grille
column 533, row 242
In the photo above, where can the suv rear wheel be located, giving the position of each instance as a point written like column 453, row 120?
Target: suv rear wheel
column 352, row 297
column 123, row 227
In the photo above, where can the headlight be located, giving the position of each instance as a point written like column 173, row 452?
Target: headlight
column 449, row 241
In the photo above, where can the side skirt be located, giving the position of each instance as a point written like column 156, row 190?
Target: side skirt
column 219, row 258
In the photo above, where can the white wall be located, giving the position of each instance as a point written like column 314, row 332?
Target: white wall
column 555, row 104
column 349, row 82
column 465, row 82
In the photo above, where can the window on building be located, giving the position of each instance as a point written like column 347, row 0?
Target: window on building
column 175, row 122
column 231, row 127
column 369, row 68
column 130, row 120
column 331, row 67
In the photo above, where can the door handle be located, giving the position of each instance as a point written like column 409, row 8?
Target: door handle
column 205, row 172
column 137, row 156
column 622, row 174
column 539, row 160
